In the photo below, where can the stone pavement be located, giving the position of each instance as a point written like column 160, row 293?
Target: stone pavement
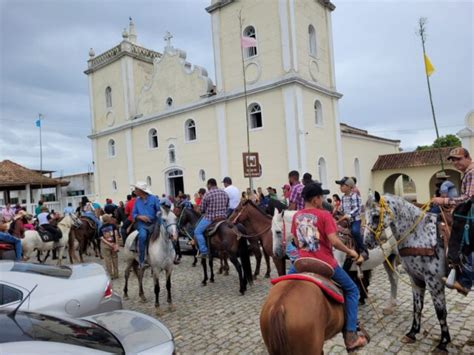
column 217, row 319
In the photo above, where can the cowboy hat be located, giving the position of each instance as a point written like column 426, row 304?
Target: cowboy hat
column 141, row 185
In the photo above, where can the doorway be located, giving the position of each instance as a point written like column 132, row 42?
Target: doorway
column 175, row 182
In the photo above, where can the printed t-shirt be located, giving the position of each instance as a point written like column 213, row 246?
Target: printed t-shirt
column 311, row 228
column 107, row 231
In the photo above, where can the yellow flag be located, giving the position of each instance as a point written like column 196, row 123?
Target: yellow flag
column 428, row 66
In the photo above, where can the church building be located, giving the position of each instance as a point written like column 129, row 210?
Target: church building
column 158, row 118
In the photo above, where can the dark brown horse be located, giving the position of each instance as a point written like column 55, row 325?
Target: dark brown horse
column 84, row 235
column 259, row 227
column 297, row 318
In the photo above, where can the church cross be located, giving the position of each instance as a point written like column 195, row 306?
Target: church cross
column 167, row 38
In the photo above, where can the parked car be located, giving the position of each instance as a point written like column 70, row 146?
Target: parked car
column 71, row 291
column 118, row 332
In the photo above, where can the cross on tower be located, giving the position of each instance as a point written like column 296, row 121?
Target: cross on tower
column 167, row 38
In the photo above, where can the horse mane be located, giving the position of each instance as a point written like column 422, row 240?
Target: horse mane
column 156, row 232
column 254, row 205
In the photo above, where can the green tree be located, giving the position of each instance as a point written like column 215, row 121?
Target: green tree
column 449, row 140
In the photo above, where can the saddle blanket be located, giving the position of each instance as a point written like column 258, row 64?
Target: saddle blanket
column 326, row 285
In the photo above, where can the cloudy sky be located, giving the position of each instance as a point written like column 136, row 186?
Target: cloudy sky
column 44, row 47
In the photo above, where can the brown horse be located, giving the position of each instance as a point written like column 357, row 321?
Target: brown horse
column 84, row 234
column 259, row 227
column 297, row 318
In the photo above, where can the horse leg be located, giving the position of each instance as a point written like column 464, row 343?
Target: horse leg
column 168, row 290
column 418, row 290
column 255, row 248
column 156, row 281
column 391, row 304
column 141, row 293
column 267, row 262
column 127, row 275
column 238, row 267
column 436, row 288
column 204, row 269
column 221, row 266
column 195, row 256
column 60, row 255
column 280, row 264
column 211, row 266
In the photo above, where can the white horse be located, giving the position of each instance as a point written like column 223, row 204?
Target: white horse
column 32, row 240
column 282, row 223
column 161, row 255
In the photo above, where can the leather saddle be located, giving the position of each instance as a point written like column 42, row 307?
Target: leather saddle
column 214, row 226
column 314, row 266
column 86, row 220
column 46, row 235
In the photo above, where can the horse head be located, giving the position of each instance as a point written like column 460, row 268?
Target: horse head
column 378, row 216
column 281, row 228
column 169, row 223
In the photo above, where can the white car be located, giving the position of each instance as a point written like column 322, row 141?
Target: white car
column 67, row 291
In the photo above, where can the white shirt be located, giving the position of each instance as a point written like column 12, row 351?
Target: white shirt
column 43, row 218
column 234, row 196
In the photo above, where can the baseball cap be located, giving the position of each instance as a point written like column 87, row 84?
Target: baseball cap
column 227, row 180
column 312, row 190
column 458, row 153
column 346, row 181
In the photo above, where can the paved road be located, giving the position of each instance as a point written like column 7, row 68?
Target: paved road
column 216, row 319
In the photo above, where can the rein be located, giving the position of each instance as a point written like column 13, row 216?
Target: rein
column 236, row 219
column 469, row 218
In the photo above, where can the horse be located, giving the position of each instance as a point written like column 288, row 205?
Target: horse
column 421, row 250
column 80, row 238
column 32, row 240
column 161, row 255
column 259, row 225
column 297, row 318
column 281, row 227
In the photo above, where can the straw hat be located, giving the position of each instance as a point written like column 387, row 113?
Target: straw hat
column 141, row 185
column 20, row 214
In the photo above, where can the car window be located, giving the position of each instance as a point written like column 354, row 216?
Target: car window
column 9, row 294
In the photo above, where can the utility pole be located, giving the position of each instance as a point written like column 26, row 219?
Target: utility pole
column 40, row 117
column 422, row 33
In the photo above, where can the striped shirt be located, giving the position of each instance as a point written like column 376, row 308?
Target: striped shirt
column 351, row 205
column 467, row 187
column 296, row 196
column 214, row 204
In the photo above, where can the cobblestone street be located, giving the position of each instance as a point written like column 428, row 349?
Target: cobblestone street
column 217, row 319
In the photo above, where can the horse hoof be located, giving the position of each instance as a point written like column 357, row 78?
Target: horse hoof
column 159, row 311
column 142, row 299
column 408, row 340
column 267, row 276
column 254, row 277
column 125, row 297
column 204, row 283
column 226, row 273
column 212, row 280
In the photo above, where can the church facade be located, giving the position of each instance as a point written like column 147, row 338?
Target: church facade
column 158, row 118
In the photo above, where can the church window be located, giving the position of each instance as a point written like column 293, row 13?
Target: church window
column 169, row 102
column 318, row 113
column 172, row 154
column 255, row 116
column 148, row 181
column 111, row 148
column 108, row 97
column 251, row 51
column 202, row 175
column 190, row 127
column 322, row 171
column 153, row 138
column 312, row 41
column 114, row 185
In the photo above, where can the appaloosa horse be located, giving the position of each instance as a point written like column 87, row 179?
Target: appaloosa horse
column 161, row 256
column 421, row 250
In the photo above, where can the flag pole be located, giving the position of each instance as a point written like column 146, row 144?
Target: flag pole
column 245, row 96
column 41, row 155
column 422, row 33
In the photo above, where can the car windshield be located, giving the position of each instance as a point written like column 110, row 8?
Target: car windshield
column 33, row 326
column 48, row 270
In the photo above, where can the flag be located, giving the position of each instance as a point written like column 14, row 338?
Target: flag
column 248, row 42
column 38, row 123
column 428, row 66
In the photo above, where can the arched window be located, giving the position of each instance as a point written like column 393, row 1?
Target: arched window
column 172, row 153
column 169, row 102
column 108, row 97
column 153, row 138
column 114, row 185
column 322, row 172
column 111, row 148
column 312, row 41
column 250, row 51
column 357, row 169
column 202, row 175
column 190, row 127
column 255, row 116
column 148, row 181
column 318, row 113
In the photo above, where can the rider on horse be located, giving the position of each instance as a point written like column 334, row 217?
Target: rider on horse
column 144, row 214
column 315, row 233
column 462, row 161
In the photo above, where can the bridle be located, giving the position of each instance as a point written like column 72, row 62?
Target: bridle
column 236, row 219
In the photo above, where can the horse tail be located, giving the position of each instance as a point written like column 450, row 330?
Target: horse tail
column 278, row 341
column 245, row 259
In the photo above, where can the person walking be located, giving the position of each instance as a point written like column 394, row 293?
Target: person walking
column 214, row 206
column 233, row 193
column 108, row 234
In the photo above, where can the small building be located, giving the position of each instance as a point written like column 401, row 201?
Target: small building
column 80, row 185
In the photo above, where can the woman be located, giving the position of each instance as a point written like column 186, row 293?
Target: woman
column 336, row 203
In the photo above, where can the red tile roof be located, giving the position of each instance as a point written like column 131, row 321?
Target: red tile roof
column 14, row 175
column 411, row 159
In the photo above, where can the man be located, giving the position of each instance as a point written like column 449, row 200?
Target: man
column 68, row 209
column 286, row 189
column 109, row 207
column 8, row 213
column 44, row 219
column 462, row 161
column 145, row 211
column 128, row 212
column 38, row 208
column 8, row 238
column 214, row 206
column 233, row 193
column 296, row 200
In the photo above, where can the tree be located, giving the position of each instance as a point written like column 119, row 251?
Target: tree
column 449, row 140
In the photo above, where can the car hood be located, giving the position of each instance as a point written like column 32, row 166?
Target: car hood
column 136, row 332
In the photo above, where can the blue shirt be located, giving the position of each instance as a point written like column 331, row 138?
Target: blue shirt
column 68, row 210
column 149, row 207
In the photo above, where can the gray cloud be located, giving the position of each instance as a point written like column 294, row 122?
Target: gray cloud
column 44, row 46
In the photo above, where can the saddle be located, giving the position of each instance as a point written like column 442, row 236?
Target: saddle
column 90, row 222
column 214, row 226
column 7, row 246
column 47, row 235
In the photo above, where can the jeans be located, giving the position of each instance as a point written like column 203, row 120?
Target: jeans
column 92, row 216
column 467, row 273
column 355, row 231
column 199, row 235
column 142, row 229
column 292, row 253
column 7, row 238
column 351, row 298
column 229, row 211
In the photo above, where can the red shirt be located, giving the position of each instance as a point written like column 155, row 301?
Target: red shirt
column 129, row 209
column 310, row 228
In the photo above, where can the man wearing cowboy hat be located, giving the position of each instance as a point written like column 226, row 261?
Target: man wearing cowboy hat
column 17, row 227
column 144, row 213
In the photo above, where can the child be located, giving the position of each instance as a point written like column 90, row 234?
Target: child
column 108, row 234
column 351, row 205
column 314, row 232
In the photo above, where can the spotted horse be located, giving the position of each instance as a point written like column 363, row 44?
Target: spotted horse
column 421, row 250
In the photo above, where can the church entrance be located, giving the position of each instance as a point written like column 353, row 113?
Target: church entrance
column 175, row 182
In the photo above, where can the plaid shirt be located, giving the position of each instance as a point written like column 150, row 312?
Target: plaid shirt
column 214, row 204
column 467, row 186
column 351, row 205
column 296, row 197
